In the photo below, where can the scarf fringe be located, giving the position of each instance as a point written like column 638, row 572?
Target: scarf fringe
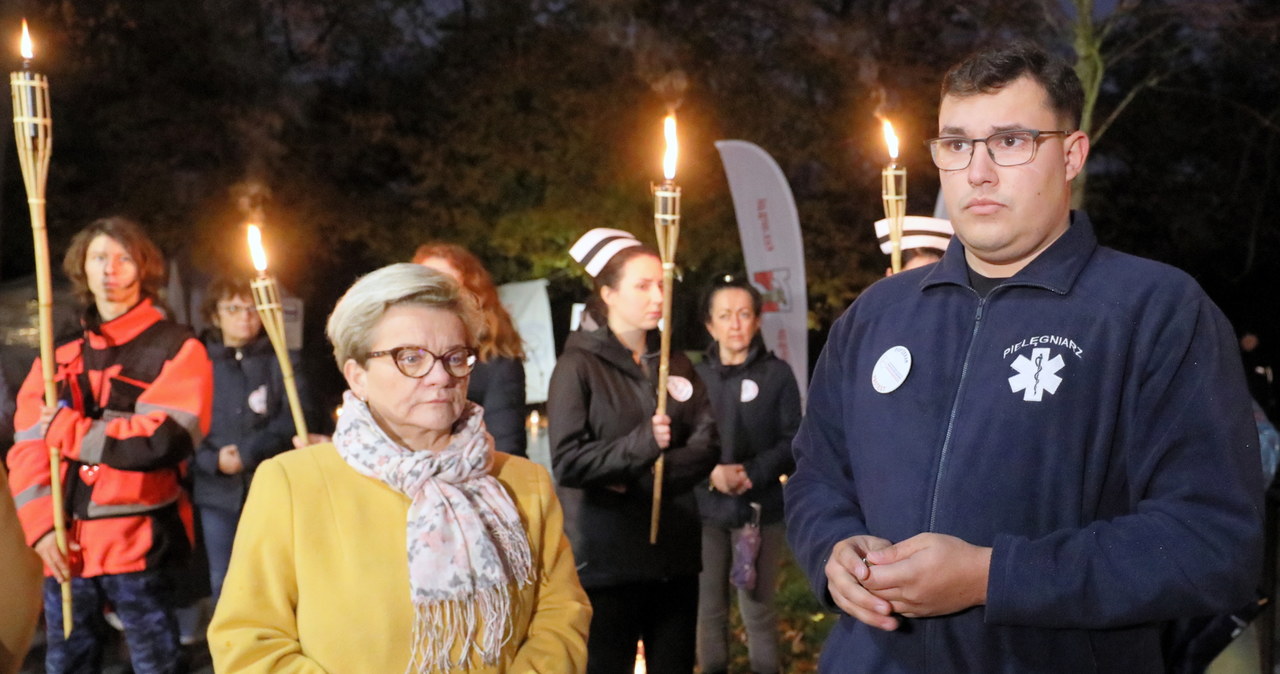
column 441, row 628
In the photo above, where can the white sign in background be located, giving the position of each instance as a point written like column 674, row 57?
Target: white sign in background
column 774, row 250
column 530, row 310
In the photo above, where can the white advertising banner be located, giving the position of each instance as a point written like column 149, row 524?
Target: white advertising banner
column 530, row 310
column 773, row 248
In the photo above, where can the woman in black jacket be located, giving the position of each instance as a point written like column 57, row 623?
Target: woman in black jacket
column 251, row 418
column 757, row 411
column 605, row 438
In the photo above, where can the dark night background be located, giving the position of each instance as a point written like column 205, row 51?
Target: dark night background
column 512, row 126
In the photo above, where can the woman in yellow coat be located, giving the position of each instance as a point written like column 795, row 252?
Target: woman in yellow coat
column 407, row 544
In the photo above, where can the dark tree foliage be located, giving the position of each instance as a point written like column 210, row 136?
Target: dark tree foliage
column 513, row 126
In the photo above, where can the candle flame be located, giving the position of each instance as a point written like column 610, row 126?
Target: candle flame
column 255, row 249
column 28, row 50
column 673, row 147
column 891, row 139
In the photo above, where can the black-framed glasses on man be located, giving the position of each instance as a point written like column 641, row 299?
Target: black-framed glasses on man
column 416, row 362
column 1006, row 148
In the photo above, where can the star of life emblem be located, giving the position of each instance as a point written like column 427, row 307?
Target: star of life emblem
column 1036, row 374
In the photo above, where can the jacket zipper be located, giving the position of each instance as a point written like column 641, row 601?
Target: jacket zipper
column 955, row 405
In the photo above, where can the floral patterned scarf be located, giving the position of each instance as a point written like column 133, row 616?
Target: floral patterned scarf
column 467, row 549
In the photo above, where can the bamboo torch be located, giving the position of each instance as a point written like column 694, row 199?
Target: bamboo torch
column 666, row 222
column 893, row 192
column 33, row 131
column 266, row 297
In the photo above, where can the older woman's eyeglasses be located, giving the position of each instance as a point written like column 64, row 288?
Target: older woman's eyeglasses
column 416, row 362
column 1007, row 148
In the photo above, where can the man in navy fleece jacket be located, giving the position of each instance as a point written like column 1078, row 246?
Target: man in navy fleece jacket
column 1033, row 455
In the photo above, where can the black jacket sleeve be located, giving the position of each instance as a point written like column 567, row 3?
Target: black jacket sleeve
column 766, row 467
column 578, row 457
column 207, row 457
column 691, row 462
column 503, row 403
column 277, row 435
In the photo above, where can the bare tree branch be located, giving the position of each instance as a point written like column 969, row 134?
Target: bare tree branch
column 1101, row 130
column 1265, row 121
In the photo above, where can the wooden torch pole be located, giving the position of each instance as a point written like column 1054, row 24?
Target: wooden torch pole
column 33, row 131
column 666, row 222
column 266, row 297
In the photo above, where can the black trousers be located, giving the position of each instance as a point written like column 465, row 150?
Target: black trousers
column 664, row 614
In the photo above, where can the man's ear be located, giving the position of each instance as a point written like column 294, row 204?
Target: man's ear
column 355, row 376
column 1076, row 148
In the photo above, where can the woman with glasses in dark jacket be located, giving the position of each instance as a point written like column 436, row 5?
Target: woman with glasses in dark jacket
column 251, row 417
column 757, row 409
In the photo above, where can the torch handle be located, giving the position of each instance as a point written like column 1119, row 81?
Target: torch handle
column 60, row 533
column 33, row 136
column 44, row 312
column 664, row 369
column 44, row 299
column 295, row 405
column 266, row 298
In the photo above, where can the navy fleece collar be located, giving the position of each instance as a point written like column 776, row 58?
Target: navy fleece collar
column 1056, row 268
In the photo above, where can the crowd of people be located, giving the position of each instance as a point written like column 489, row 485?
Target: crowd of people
column 1023, row 452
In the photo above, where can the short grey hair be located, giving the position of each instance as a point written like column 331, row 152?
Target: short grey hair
column 351, row 324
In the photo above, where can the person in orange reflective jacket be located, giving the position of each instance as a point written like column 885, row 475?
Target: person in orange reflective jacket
column 134, row 399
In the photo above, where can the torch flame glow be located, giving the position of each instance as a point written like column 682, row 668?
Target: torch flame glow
column 891, row 139
column 28, row 50
column 255, row 249
column 673, row 147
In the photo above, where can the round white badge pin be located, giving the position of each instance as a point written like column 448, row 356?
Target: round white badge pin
column 750, row 390
column 891, row 370
column 679, row 388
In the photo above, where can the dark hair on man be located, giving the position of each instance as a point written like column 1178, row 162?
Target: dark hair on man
column 611, row 275
column 990, row 70
column 224, row 288
column 725, row 282
column 127, row 233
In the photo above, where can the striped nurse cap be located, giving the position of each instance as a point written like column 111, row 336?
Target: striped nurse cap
column 918, row 231
column 595, row 248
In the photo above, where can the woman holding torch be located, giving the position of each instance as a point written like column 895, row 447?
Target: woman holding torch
column 134, row 393
column 251, row 417
column 605, row 438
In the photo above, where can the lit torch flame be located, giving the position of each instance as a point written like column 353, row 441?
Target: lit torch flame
column 28, row 50
column 255, row 249
column 891, row 139
column 673, row 147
